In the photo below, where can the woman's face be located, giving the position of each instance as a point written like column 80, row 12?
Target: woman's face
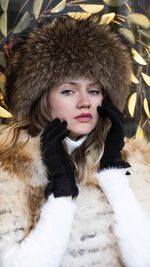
column 76, row 102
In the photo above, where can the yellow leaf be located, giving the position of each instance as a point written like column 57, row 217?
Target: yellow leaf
column 79, row 15
column 117, row 22
column 92, row 8
column 60, row 7
column 139, row 19
column 2, row 81
column 132, row 103
column 134, row 79
column 146, row 78
column 128, row 34
column 137, row 57
column 37, row 7
column 139, row 132
column 23, row 23
column 146, row 107
column 2, row 77
column 3, row 24
column 107, row 18
column 114, row 3
column 120, row 17
column 4, row 5
column 4, row 113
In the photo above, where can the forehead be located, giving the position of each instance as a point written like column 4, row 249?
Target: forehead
column 78, row 81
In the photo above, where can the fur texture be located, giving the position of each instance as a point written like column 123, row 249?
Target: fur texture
column 27, row 223
column 67, row 48
column 138, row 154
column 92, row 240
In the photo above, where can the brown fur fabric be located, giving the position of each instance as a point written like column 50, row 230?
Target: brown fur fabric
column 138, row 154
column 92, row 241
column 68, row 48
column 24, row 179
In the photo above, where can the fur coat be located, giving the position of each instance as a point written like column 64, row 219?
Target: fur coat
column 108, row 224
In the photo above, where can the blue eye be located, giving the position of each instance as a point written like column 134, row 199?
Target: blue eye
column 67, row 92
column 94, row 92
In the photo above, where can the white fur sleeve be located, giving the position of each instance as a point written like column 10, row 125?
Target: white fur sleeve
column 47, row 242
column 132, row 227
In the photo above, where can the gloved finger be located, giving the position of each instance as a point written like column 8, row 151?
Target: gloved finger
column 62, row 135
column 52, row 133
column 51, row 125
column 103, row 111
column 58, row 133
column 106, row 102
column 55, row 143
column 110, row 114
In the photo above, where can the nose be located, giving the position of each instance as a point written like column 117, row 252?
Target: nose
column 83, row 100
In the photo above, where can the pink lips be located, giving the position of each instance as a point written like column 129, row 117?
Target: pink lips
column 84, row 117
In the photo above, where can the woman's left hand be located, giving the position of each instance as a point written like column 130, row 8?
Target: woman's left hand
column 115, row 139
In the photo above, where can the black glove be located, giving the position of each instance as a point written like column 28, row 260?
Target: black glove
column 60, row 172
column 115, row 139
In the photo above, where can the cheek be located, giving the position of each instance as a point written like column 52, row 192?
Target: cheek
column 57, row 109
column 98, row 102
column 53, row 107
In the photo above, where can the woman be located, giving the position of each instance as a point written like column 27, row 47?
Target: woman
column 65, row 196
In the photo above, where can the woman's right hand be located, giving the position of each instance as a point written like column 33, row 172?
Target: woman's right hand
column 59, row 169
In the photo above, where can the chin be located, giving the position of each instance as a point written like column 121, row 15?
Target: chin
column 75, row 133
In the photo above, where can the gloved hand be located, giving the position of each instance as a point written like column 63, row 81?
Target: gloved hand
column 60, row 172
column 115, row 139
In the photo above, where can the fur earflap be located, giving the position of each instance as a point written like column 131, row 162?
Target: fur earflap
column 68, row 48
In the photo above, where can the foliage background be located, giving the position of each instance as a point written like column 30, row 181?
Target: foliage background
column 131, row 18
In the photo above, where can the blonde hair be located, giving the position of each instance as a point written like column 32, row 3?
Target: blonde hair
column 38, row 119
column 87, row 157
column 33, row 125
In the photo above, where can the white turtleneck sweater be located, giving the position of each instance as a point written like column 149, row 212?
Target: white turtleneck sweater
column 47, row 242
column 72, row 145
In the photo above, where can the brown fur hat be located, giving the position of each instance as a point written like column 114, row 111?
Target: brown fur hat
column 68, row 48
